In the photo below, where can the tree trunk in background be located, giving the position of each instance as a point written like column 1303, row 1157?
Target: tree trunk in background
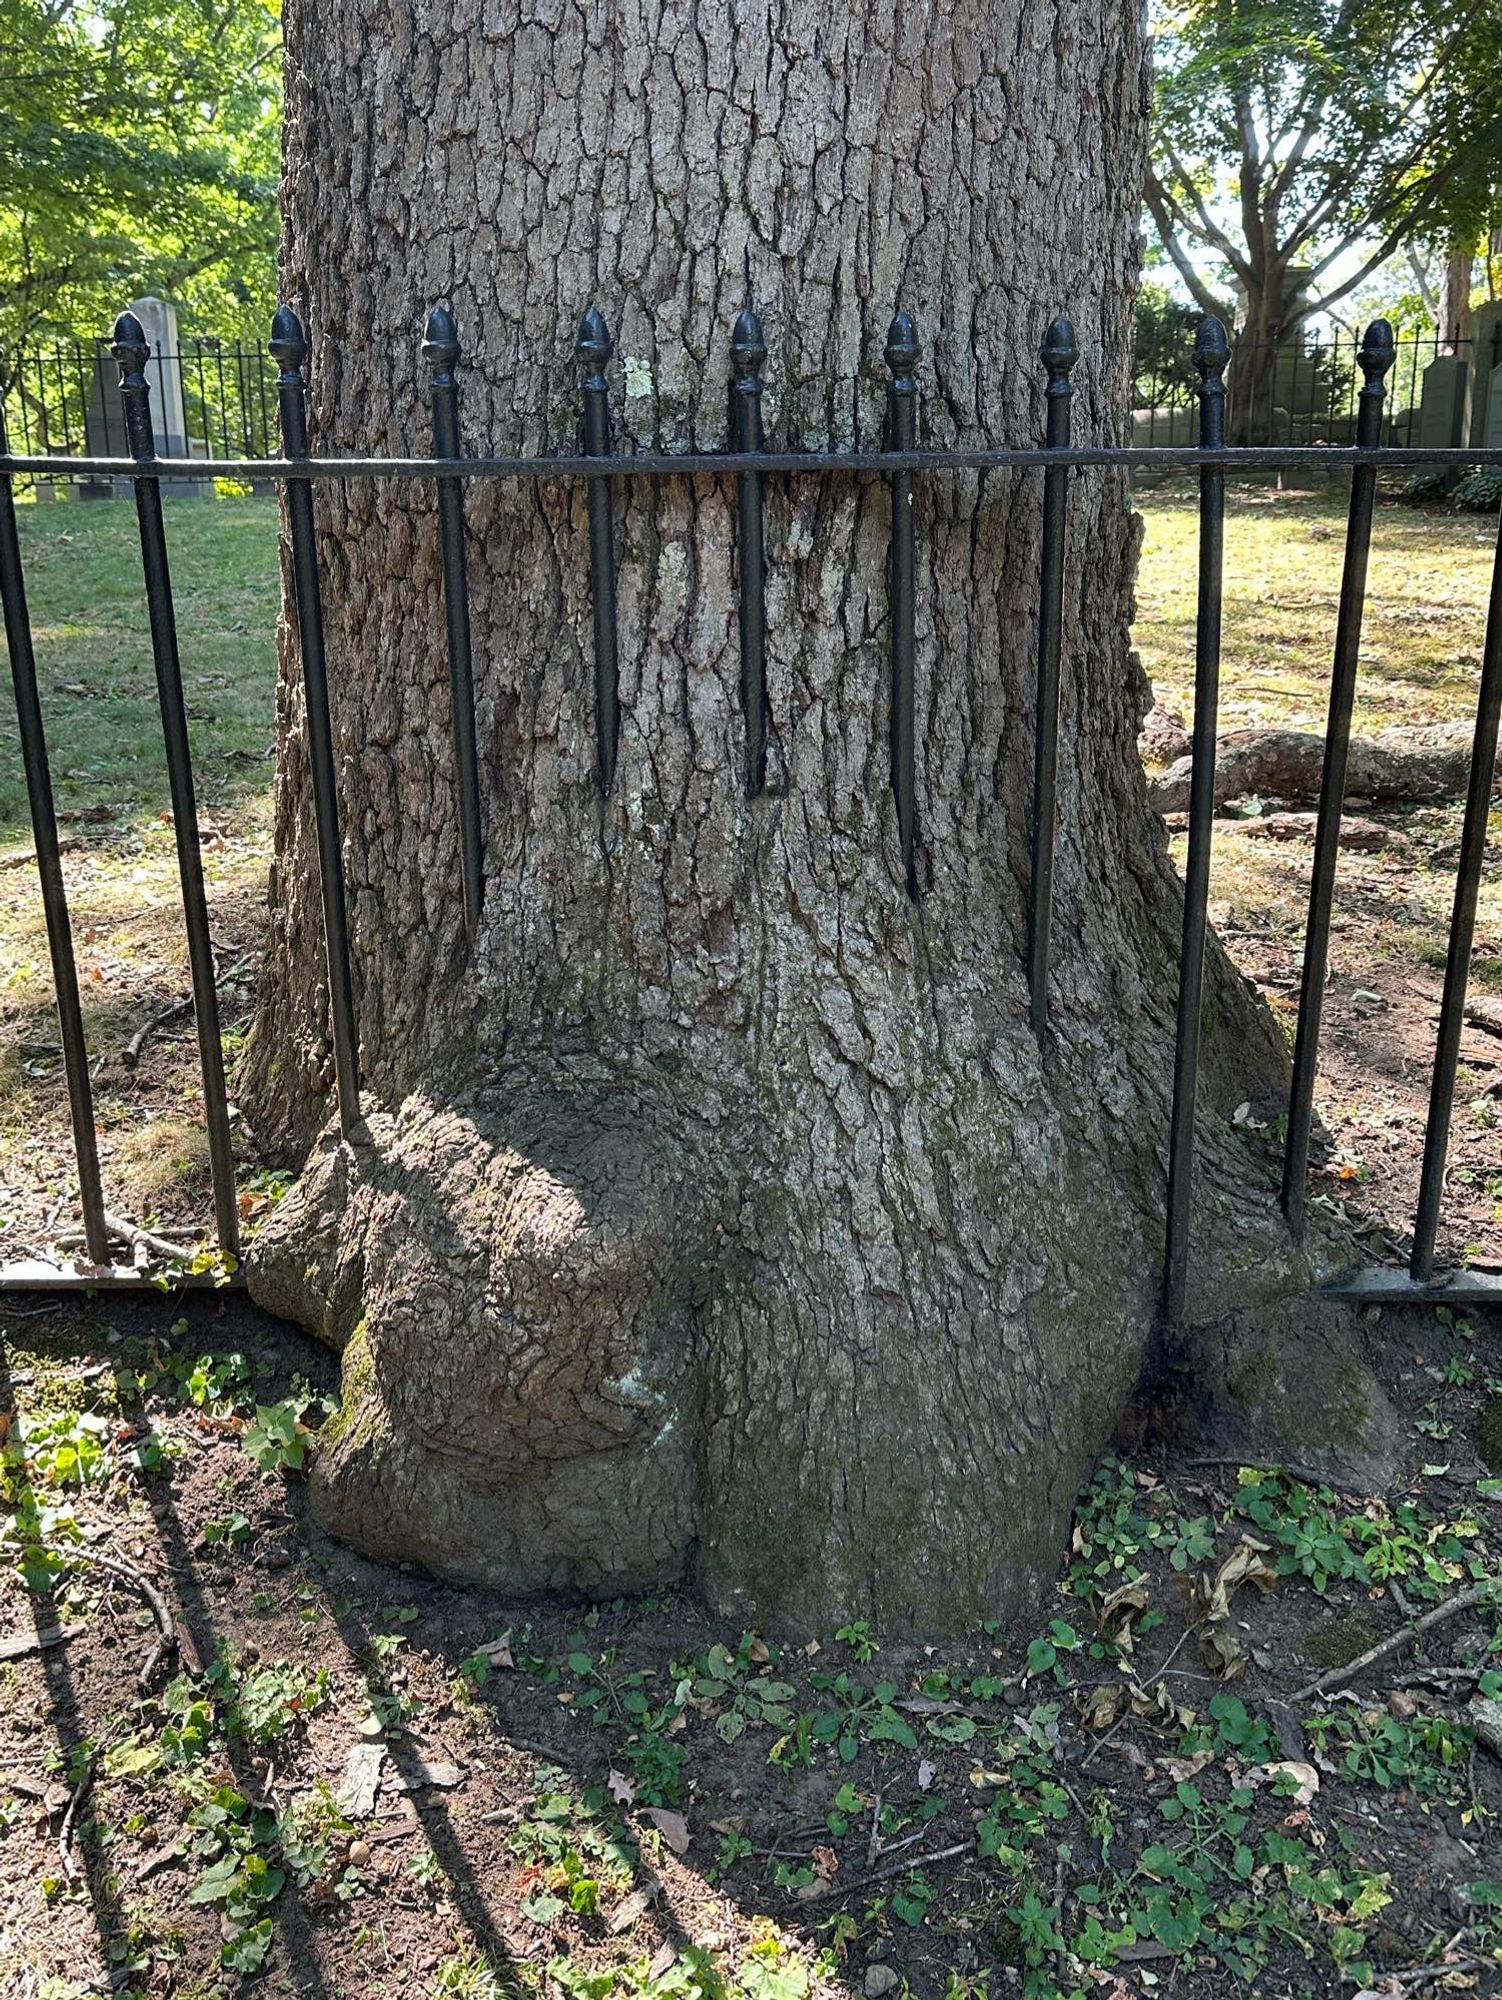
column 717, row 1216
column 1455, row 297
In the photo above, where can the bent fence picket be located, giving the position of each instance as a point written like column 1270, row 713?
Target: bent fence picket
column 902, row 464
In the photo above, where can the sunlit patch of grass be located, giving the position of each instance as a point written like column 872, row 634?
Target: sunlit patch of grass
column 1425, row 611
column 88, row 611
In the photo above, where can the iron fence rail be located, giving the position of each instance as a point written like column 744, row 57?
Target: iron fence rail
column 901, row 464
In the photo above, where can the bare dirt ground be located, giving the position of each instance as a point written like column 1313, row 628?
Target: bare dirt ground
column 348, row 1780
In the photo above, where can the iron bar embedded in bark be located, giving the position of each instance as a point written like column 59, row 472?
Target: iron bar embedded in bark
column 23, row 674
column 289, row 350
column 1211, row 353
column 1059, row 354
column 440, row 350
column 594, row 348
column 748, row 350
column 902, row 425
column 1462, row 932
column 1376, row 358
column 131, row 350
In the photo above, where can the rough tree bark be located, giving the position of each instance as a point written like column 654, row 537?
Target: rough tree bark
column 717, row 1216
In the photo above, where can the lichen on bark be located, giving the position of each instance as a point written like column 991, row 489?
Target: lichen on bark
column 716, row 1214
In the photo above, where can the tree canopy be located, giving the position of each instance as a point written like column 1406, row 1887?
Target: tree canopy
column 138, row 152
column 1320, row 137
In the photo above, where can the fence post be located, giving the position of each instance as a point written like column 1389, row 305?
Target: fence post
column 23, row 674
column 131, row 350
column 289, row 349
column 1376, row 358
column 1211, row 353
column 440, row 350
column 902, row 427
column 748, row 350
column 1059, row 354
column 594, row 347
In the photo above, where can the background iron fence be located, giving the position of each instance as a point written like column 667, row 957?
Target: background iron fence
column 903, row 468
column 1305, row 391
column 64, row 401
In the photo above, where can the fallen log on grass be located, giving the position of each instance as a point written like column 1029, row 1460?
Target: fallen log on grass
column 1398, row 766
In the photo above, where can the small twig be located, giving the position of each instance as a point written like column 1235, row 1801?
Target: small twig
column 1338, row 1676
column 561, row 1758
column 130, row 1055
column 166, row 1644
column 65, row 1832
column 130, row 1232
column 893, row 1868
column 873, row 1845
column 1178, row 1647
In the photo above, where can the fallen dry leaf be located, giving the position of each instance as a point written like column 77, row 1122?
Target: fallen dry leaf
column 1101, row 1705
column 1181, row 1769
column 672, row 1826
column 622, row 1790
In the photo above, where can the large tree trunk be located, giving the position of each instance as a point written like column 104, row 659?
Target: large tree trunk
column 717, row 1215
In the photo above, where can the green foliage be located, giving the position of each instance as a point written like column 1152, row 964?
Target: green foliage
column 140, row 150
column 1287, row 130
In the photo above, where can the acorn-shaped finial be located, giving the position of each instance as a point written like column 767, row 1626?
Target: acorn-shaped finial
column 288, row 343
column 440, row 344
column 593, row 345
column 1377, row 353
column 902, row 349
column 129, row 344
column 1059, row 351
column 748, row 347
column 1212, row 349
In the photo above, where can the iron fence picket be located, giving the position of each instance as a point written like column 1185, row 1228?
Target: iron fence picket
column 441, row 352
column 1211, row 354
column 902, row 429
column 594, row 348
column 54, row 893
column 1462, row 933
column 289, row 348
column 1376, row 359
column 1059, row 353
column 132, row 351
column 748, row 350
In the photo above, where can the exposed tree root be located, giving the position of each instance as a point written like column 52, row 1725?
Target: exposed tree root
column 1401, row 766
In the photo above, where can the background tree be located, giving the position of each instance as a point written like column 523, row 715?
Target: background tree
column 1302, row 143
column 138, row 152
column 716, row 1213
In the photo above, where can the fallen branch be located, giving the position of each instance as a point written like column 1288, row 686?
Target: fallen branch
column 1338, row 1676
column 1399, row 765
column 136, row 1237
column 130, row 1055
column 167, row 1644
column 80, row 1790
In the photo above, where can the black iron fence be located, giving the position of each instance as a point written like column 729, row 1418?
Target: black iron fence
column 64, row 400
column 1305, row 391
column 602, row 467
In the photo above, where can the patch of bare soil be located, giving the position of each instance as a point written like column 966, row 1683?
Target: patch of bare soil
column 353, row 1780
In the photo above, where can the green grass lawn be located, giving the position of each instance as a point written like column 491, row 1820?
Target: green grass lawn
column 88, row 613
column 1421, row 639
